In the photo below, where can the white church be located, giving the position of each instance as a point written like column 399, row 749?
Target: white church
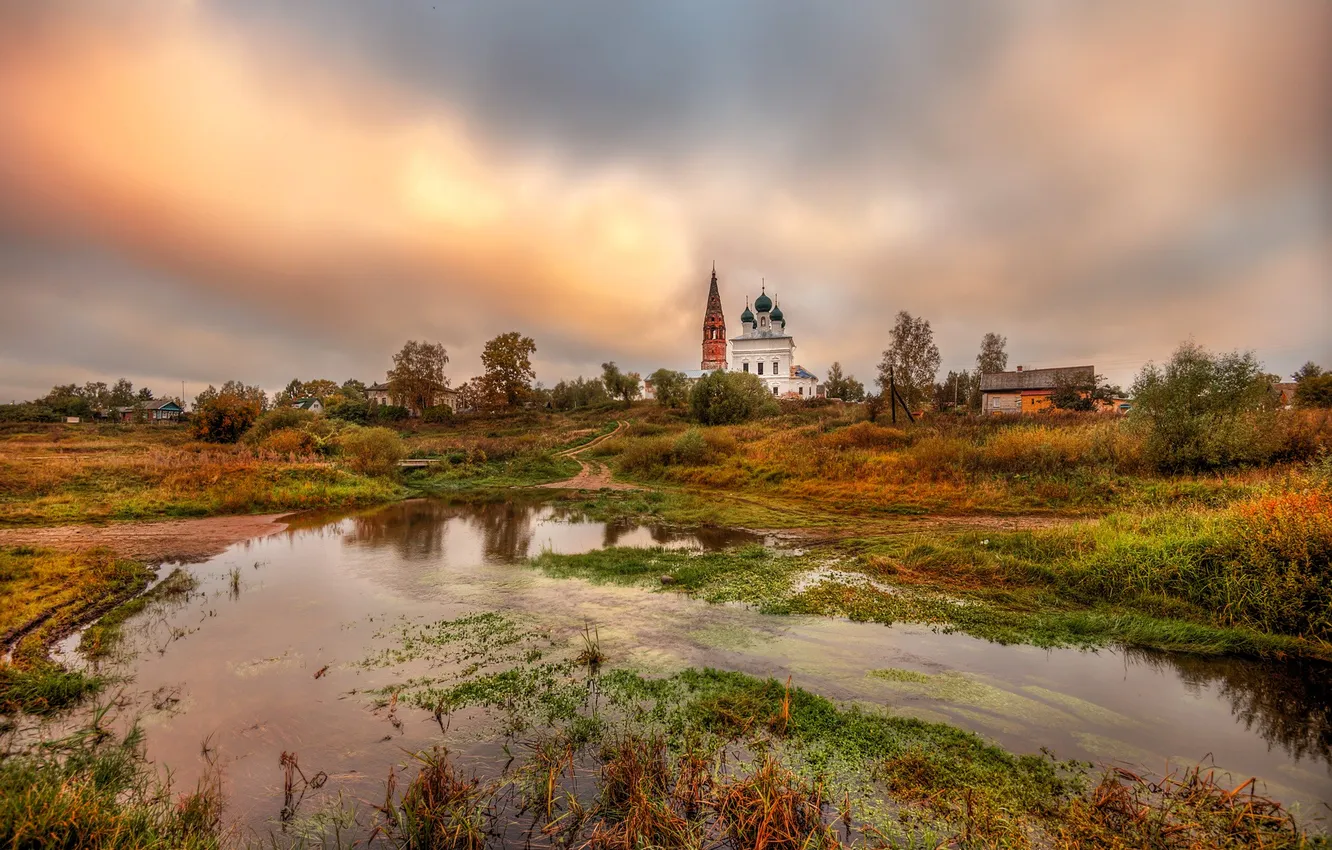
column 763, row 348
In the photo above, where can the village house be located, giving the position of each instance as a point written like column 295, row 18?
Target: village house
column 379, row 394
column 1029, row 390
column 161, row 410
column 311, row 404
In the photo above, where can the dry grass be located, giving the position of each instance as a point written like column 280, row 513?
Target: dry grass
column 69, row 474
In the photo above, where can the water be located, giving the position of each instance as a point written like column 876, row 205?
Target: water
column 237, row 670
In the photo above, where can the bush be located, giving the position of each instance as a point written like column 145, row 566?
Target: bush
column 866, row 435
column 726, row 398
column 388, row 413
column 1205, row 410
column 277, row 419
column 437, row 415
column 224, row 418
column 372, row 451
column 690, row 448
column 353, row 410
column 289, row 441
column 1314, row 391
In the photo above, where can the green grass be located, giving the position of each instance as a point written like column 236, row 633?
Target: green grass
column 46, row 595
column 91, row 791
column 101, row 639
column 857, row 588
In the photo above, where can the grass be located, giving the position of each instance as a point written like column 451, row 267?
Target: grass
column 57, row 474
column 47, row 594
column 910, row 580
column 101, row 639
column 91, row 790
column 709, row 758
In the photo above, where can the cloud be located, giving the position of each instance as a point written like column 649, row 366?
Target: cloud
column 188, row 191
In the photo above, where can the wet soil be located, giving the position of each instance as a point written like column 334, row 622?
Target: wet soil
column 185, row 540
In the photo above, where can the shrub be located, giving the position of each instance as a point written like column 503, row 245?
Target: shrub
column 224, row 418
column 647, row 455
column 437, row 415
column 690, row 448
column 348, row 410
column 725, row 398
column 289, row 441
column 866, row 435
column 389, row 413
column 1205, row 410
column 277, row 419
column 1314, row 391
column 372, row 451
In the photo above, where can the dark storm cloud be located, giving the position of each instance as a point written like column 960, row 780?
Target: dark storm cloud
column 293, row 189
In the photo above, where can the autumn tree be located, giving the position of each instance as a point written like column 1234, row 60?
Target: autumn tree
column 621, row 385
column 224, row 416
column 912, row 358
column 1079, row 392
column 417, row 376
column 508, row 363
column 670, row 387
column 236, row 388
column 144, row 394
column 845, row 387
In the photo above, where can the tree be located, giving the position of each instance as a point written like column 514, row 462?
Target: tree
column 670, row 387
column 1314, row 391
column 68, row 400
column 1205, row 410
column 224, row 417
column 992, row 357
column 122, row 394
column 352, row 388
column 320, row 388
column 724, row 398
column 845, row 387
column 294, row 390
column 622, row 385
column 913, row 359
column 1074, row 393
column 144, row 394
column 236, row 388
column 508, row 363
column 956, row 391
column 580, row 392
column 1310, row 369
column 417, row 376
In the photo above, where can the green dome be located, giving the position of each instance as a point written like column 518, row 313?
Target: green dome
column 763, row 303
column 747, row 316
column 777, row 314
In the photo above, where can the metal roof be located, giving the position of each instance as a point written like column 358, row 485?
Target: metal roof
column 1035, row 379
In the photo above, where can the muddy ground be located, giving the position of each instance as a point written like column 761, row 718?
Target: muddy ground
column 152, row 542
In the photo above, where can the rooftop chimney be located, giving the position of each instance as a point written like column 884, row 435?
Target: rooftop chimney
column 1019, row 368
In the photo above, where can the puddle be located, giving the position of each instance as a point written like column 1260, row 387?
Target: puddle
column 239, row 669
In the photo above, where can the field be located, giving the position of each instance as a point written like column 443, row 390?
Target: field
column 1053, row 531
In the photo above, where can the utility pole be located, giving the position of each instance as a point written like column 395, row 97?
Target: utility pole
column 892, row 393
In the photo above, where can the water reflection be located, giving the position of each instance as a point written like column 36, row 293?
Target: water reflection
column 1288, row 703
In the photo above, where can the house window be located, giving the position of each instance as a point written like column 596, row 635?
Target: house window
column 746, row 365
column 760, row 368
column 774, row 368
column 802, row 390
column 774, row 390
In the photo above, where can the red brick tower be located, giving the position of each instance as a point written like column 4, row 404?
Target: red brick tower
column 714, row 329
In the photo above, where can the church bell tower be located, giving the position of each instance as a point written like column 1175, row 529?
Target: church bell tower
column 714, row 329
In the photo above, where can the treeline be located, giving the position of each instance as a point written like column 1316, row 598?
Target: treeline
column 94, row 398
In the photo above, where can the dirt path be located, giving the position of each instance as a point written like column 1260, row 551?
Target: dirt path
column 172, row 540
column 592, row 475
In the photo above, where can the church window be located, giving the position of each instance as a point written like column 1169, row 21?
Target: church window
column 746, row 365
column 802, row 390
column 774, row 390
column 774, row 368
column 760, row 368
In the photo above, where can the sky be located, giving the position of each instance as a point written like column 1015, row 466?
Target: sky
column 202, row 191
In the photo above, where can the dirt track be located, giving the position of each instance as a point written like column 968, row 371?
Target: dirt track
column 172, row 540
column 592, row 475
